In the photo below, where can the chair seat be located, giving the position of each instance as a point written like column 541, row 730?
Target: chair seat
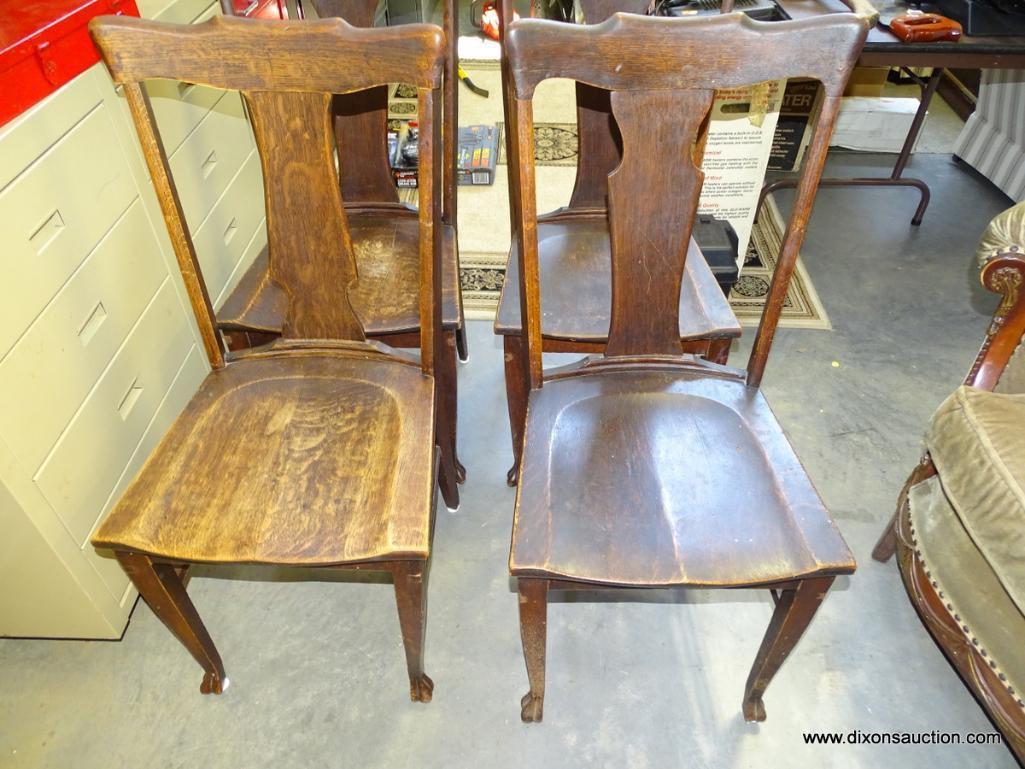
column 663, row 477
column 973, row 592
column 387, row 295
column 309, row 459
column 576, row 287
column 978, row 447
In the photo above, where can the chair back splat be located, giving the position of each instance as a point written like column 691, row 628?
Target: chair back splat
column 289, row 89
column 661, row 75
column 361, row 119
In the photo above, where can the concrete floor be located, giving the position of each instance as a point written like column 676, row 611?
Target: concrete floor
column 317, row 671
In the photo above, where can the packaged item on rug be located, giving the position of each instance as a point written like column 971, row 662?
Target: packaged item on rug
column 404, row 152
column 477, row 155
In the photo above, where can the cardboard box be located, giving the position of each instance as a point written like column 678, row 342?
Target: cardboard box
column 477, row 155
column 867, row 81
column 874, row 124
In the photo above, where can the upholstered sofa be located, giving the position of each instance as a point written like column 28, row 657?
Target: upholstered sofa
column 959, row 529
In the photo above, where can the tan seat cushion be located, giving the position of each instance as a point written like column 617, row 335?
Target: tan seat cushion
column 977, row 442
column 964, row 578
column 1005, row 233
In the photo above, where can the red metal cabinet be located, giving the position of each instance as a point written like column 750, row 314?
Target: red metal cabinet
column 45, row 44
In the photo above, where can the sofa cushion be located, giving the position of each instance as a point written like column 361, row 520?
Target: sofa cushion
column 977, row 442
column 1005, row 233
column 967, row 584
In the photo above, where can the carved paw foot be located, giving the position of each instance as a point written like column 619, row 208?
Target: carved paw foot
column 754, row 710
column 460, row 472
column 513, row 476
column 212, row 684
column 532, row 708
column 421, row 689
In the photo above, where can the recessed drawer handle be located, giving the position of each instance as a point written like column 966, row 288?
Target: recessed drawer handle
column 208, row 164
column 229, row 233
column 184, row 89
column 92, row 323
column 130, row 399
column 45, row 233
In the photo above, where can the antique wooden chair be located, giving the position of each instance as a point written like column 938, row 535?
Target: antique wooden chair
column 957, row 531
column 383, row 233
column 647, row 466
column 574, row 253
column 317, row 449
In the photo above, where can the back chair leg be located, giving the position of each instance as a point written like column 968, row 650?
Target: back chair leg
column 411, row 596
column 161, row 586
column 461, row 346
column 450, row 400
column 448, row 478
column 794, row 611
column 516, row 398
column 887, row 544
column 533, row 594
column 719, row 351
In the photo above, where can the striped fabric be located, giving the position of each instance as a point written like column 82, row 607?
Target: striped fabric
column 993, row 139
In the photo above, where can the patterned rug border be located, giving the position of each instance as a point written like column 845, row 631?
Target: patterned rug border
column 550, row 149
column 802, row 308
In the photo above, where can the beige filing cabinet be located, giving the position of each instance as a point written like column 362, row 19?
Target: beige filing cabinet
column 98, row 349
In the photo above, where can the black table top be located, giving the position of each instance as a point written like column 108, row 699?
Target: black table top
column 882, row 47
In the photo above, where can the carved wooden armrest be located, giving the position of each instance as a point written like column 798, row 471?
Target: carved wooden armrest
column 1003, row 274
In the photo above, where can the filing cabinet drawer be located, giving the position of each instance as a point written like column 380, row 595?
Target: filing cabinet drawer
column 255, row 246
column 185, row 383
column 232, row 223
column 210, row 157
column 178, row 107
column 52, row 216
column 27, row 137
column 80, row 473
column 54, row 365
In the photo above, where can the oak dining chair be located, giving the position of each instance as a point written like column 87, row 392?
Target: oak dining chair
column 384, row 236
column 319, row 449
column 648, row 467
column 574, row 244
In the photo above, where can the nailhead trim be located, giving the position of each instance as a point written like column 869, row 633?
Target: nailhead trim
column 957, row 617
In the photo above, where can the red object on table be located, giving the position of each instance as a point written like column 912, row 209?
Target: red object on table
column 44, row 44
column 925, row 28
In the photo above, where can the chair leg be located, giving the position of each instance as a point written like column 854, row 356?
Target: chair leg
column 719, row 351
column 791, row 617
column 448, row 477
column 887, row 544
column 461, row 346
column 411, row 596
column 162, row 588
column 450, row 399
column 516, row 398
column 533, row 595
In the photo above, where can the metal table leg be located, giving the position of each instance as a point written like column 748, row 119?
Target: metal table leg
column 896, row 178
